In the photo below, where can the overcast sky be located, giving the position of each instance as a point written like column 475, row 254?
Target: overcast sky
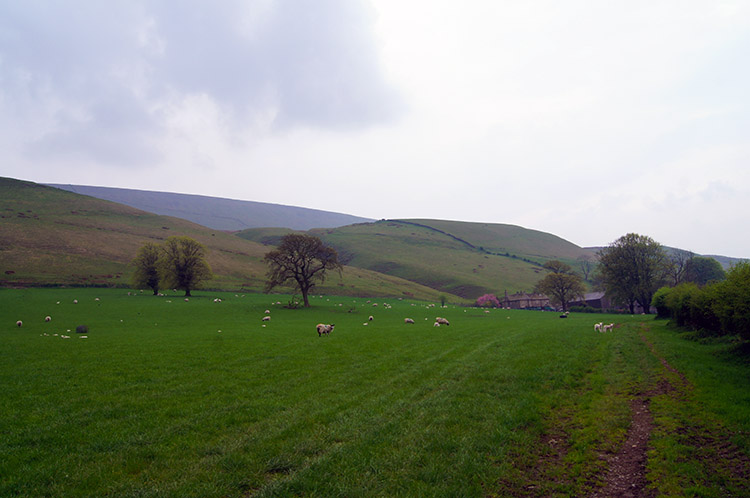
column 586, row 119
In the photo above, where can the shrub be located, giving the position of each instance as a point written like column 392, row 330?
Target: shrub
column 659, row 301
column 732, row 301
column 678, row 301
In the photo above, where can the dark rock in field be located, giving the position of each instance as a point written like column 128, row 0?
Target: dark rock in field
column 563, row 316
column 82, row 329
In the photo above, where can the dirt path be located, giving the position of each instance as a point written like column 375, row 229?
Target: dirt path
column 626, row 477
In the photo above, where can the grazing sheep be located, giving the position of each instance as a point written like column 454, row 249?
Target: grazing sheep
column 266, row 318
column 442, row 321
column 371, row 318
column 268, row 312
column 47, row 318
column 408, row 320
column 323, row 328
column 75, row 301
column 19, row 323
column 436, row 324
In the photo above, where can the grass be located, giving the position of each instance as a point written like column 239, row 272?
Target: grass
column 173, row 398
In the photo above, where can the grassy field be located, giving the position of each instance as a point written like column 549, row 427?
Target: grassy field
column 167, row 397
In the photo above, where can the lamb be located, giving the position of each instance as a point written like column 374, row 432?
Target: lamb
column 598, row 327
column 442, row 321
column 323, row 328
column 408, row 320
column 436, row 324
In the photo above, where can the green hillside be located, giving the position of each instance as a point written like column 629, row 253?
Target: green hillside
column 466, row 259
column 54, row 237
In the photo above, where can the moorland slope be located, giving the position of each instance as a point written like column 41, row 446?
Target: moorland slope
column 50, row 236
column 218, row 213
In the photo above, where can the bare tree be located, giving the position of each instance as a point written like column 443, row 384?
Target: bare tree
column 147, row 267
column 184, row 263
column 677, row 263
column 561, row 284
column 302, row 259
column 587, row 264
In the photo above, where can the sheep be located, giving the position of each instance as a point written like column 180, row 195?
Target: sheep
column 266, row 318
column 323, row 328
column 436, row 324
column 75, row 301
column 408, row 320
column 598, row 327
column 442, row 321
column 267, row 312
column 47, row 318
column 371, row 318
column 19, row 323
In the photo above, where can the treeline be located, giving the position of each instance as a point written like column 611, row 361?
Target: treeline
column 720, row 308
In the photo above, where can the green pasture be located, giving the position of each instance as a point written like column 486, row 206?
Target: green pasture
column 174, row 398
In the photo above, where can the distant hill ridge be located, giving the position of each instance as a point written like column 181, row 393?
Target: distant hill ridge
column 218, row 213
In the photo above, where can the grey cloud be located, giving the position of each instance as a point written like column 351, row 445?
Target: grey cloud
column 308, row 63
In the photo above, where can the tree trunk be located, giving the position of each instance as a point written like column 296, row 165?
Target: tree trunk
column 187, row 293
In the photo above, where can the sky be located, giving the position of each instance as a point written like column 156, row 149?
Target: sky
column 588, row 120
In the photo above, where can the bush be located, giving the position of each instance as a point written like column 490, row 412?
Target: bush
column 678, row 301
column 732, row 301
column 659, row 301
column 584, row 309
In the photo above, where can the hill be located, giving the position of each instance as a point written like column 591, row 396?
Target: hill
column 466, row 259
column 218, row 213
column 50, row 236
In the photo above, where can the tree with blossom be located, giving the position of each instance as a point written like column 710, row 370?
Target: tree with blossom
column 488, row 301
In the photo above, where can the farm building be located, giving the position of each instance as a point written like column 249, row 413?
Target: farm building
column 594, row 300
column 599, row 300
column 521, row 300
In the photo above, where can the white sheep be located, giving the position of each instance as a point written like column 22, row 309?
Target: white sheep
column 323, row 328
column 47, row 318
column 266, row 318
column 267, row 312
column 371, row 318
column 75, row 301
column 19, row 323
column 436, row 324
column 442, row 321
column 408, row 320
column 598, row 327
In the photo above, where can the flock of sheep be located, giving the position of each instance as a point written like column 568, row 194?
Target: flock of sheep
column 326, row 329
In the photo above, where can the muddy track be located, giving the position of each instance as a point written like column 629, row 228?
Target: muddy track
column 626, row 475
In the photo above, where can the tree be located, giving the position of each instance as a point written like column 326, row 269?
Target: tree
column 702, row 270
column 632, row 269
column 561, row 284
column 147, row 267
column 677, row 262
column 302, row 259
column 183, row 264
column 488, row 301
column 586, row 263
